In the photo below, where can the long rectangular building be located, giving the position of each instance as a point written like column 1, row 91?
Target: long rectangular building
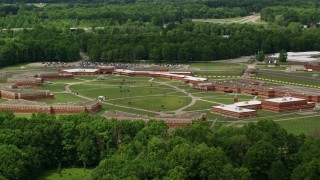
column 170, row 120
column 28, row 107
column 286, row 104
column 234, row 111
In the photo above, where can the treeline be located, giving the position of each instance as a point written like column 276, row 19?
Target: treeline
column 185, row 42
column 190, row 41
column 37, row 45
column 62, row 15
column 138, row 150
column 283, row 16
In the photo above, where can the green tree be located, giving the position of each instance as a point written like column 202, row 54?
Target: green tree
column 278, row 171
column 283, row 56
column 260, row 56
column 13, row 162
column 259, row 159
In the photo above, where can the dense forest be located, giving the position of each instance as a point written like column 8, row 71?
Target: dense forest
column 138, row 150
column 161, row 31
column 185, row 42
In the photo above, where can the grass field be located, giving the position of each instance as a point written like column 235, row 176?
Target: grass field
column 68, row 174
column 218, row 66
column 201, row 105
column 226, row 20
column 62, row 98
column 286, row 80
column 306, row 125
column 156, row 103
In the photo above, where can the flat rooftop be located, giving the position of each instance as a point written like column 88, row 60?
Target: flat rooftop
column 284, row 99
column 248, row 103
column 80, row 70
column 309, row 56
column 234, row 108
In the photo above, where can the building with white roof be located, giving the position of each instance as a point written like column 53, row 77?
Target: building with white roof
column 302, row 57
column 234, row 111
column 286, row 104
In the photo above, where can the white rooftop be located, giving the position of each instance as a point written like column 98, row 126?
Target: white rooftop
column 191, row 78
column 186, row 77
column 309, row 56
column 80, row 70
column 247, row 103
column 284, row 99
column 234, row 108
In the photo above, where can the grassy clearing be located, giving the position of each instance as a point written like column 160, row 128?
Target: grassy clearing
column 93, row 91
column 218, row 66
column 226, row 20
column 51, row 87
column 128, row 110
column 201, row 105
column 68, row 174
column 286, row 80
column 62, row 98
column 162, row 103
column 306, row 125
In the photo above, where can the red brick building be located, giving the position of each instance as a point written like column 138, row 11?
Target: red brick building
column 25, row 81
column 80, row 72
column 28, row 107
column 25, row 94
column 53, row 75
column 234, row 111
column 170, row 120
column 286, row 104
column 313, row 67
column 248, row 88
column 179, row 76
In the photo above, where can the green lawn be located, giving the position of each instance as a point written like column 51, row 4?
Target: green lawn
column 93, row 91
column 201, row 105
column 286, row 80
column 51, row 87
column 169, row 102
column 217, row 66
column 226, row 20
column 68, row 174
column 62, row 98
column 306, row 125
column 128, row 110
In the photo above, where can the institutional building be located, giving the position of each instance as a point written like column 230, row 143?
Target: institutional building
column 234, row 111
column 179, row 76
column 25, row 94
column 28, row 107
column 89, row 72
column 248, row 109
column 53, row 75
column 23, row 80
column 170, row 120
column 286, row 104
column 248, row 87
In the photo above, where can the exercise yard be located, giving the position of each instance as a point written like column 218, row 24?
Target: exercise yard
column 153, row 96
